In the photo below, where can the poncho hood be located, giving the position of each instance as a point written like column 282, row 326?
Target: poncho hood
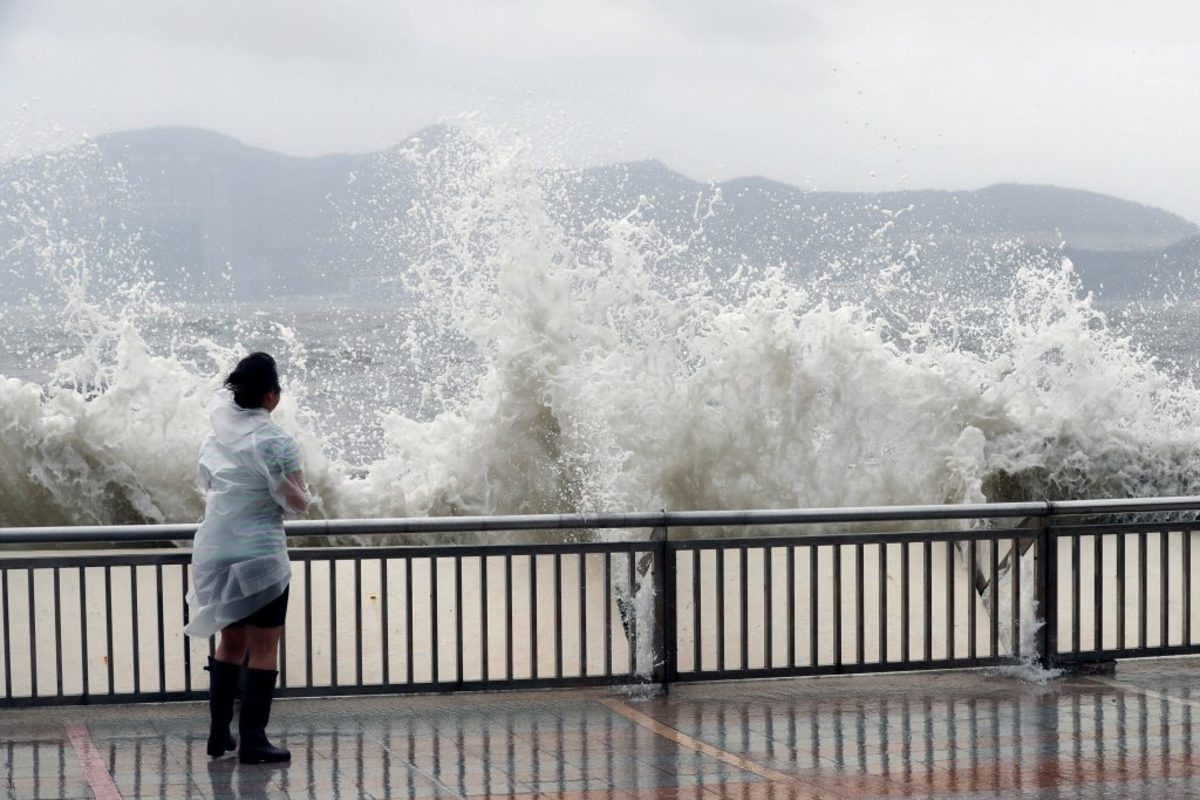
column 231, row 422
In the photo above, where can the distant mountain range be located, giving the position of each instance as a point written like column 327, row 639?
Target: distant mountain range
column 216, row 218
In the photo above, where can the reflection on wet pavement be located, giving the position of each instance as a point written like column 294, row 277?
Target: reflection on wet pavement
column 964, row 734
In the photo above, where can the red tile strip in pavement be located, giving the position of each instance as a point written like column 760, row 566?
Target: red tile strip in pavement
column 93, row 763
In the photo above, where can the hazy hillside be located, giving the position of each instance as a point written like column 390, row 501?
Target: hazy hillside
column 218, row 218
column 207, row 201
column 1156, row 272
column 1040, row 215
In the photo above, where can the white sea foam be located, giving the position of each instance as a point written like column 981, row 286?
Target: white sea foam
column 603, row 366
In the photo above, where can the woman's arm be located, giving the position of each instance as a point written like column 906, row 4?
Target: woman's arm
column 295, row 493
column 279, row 458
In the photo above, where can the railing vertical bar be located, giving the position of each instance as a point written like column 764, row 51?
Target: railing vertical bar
column 533, row 617
column 83, row 630
column 1120, row 591
column 509, row 598
column 720, row 555
column 1187, row 587
column 333, row 626
column 358, row 622
column 608, row 600
column 950, row 587
column 905, row 602
column 385, row 632
column 58, row 668
column 1047, row 592
column 995, row 584
column 837, row 605
column 7, row 640
column 768, row 608
column 1098, row 593
column 162, row 644
column 973, row 599
column 409, row 667
column 1164, row 595
column 133, row 595
column 32, row 608
column 485, row 668
column 558, row 616
column 791, row 604
column 308, row 629
column 666, row 642
column 435, row 645
column 666, row 566
column 883, row 617
column 1076, row 600
column 583, row 630
column 459, row 644
column 108, row 627
column 813, row 638
column 927, row 575
column 1142, row 592
column 187, row 642
column 696, row 599
column 631, row 621
column 1014, row 558
column 744, row 570
column 860, row 608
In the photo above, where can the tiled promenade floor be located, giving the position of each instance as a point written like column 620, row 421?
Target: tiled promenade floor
column 965, row 734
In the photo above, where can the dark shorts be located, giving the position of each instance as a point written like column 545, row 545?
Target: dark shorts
column 271, row 615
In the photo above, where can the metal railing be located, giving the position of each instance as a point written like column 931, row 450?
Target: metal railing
column 827, row 591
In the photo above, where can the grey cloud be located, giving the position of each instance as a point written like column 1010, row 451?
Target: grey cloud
column 746, row 20
column 270, row 28
column 854, row 94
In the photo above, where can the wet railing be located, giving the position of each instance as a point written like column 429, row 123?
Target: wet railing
column 660, row 598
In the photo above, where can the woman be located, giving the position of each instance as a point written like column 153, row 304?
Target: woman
column 250, row 469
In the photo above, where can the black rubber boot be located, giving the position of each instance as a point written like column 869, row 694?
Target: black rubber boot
column 222, row 686
column 256, row 712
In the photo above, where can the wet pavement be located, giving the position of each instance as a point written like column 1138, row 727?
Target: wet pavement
column 961, row 734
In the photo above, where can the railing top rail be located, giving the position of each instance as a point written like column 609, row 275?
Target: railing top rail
column 649, row 519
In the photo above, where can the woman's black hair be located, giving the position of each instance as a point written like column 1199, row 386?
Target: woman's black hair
column 251, row 379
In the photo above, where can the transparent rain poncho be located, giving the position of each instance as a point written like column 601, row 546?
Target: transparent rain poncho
column 250, row 469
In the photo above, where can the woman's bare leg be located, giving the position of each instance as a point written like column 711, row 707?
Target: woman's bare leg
column 263, row 644
column 232, row 647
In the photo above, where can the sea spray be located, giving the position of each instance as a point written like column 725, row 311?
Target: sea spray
column 1030, row 668
column 592, row 365
column 604, row 379
column 110, row 435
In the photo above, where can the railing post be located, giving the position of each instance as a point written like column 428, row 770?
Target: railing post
column 664, row 609
column 1047, row 588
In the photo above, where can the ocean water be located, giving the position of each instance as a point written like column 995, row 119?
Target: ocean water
column 537, row 365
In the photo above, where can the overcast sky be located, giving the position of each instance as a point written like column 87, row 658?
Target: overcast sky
column 840, row 94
